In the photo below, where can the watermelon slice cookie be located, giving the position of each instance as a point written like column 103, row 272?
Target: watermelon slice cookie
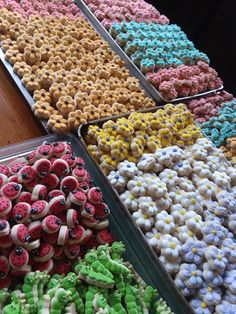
column 57, row 205
column 32, row 245
column 29, row 186
column 71, row 218
column 3, row 179
column 42, row 167
column 26, row 174
column 101, row 210
column 58, row 252
column 63, row 235
column 11, row 190
column 54, row 193
column 21, row 272
column 68, row 184
column 80, row 162
column 60, row 167
column 35, row 230
column 44, row 151
column 4, row 227
column 24, row 197
column 83, row 186
column 5, row 206
column 88, row 210
column 105, row 236
column 39, row 192
column 43, row 253
column 95, row 195
column 72, row 250
column 76, row 235
column 4, row 169
column 39, row 209
column 78, row 197
column 18, row 257
column 80, row 173
column 51, row 181
column 87, row 236
column 64, row 267
column 4, row 267
column 21, row 212
column 51, row 224
column 20, row 234
column 70, row 159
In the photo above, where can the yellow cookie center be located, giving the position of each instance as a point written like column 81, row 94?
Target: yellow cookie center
column 219, row 257
column 193, row 201
column 157, row 236
column 209, row 289
column 139, row 183
column 172, row 245
column 194, row 250
column 213, row 231
column 203, row 305
column 145, row 216
column 167, row 220
column 194, row 273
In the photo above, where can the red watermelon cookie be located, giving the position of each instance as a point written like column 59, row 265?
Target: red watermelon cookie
column 35, row 229
column 43, row 253
column 59, row 149
column 70, row 159
column 63, row 235
column 39, row 209
column 54, row 193
column 44, row 266
column 22, row 272
column 20, row 234
column 58, row 252
column 50, row 238
column 101, row 210
column 71, row 218
column 88, row 210
column 78, row 197
column 4, row 169
column 76, row 235
column 31, row 157
column 80, row 173
column 26, row 174
column 60, row 167
column 5, row 283
column 21, row 212
column 63, row 267
column 32, row 245
column 5, row 206
column 57, row 205
column 95, row 195
column 4, row 228
column 87, row 236
column 4, row 267
column 14, row 178
column 3, row 179
column 83, row 186
column 11, row 190
column 51, row 224
column 105, row 236
column 39, row 192
column 24, row 197
column 80, row 162
column 72, row 250
column 42, row 167
column 44, row 151
column 68, row 184
column 18, row 257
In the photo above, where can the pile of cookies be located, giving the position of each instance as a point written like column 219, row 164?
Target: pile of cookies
column 101, row 282
column 139, row 133
column 57, row 8
column 109, row 12
column 152, row 46
column 229, row 150
column 50, row 213
column 184, row 202
column 73, row 75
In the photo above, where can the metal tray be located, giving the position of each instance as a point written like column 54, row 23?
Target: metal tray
column 29, row 99
column 130, row 65
column 137, row 250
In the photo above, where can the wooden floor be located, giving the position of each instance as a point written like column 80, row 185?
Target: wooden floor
column 17, row 122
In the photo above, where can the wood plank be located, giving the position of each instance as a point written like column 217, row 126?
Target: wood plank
column 17, row 122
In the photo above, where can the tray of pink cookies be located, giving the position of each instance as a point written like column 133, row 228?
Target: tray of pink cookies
column 160, row 53
column 61, row 65
column 179, row 191
column 59, row 220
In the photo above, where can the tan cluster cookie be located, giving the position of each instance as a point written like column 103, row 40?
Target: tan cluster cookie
column 73, row 75
column 230, row 150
